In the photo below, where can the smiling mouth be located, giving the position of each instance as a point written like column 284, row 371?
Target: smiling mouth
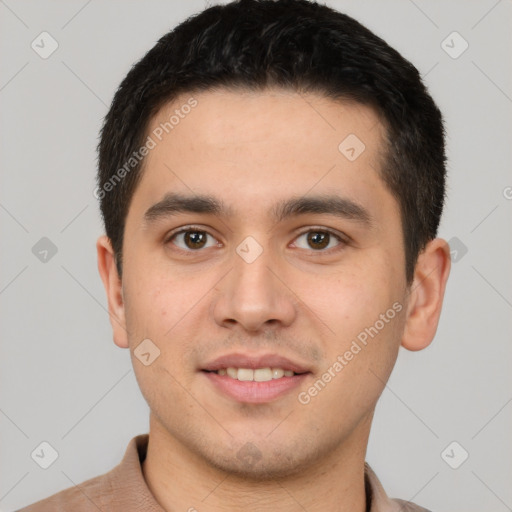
column 254, row 375
column 255, row 378
column 254, row 385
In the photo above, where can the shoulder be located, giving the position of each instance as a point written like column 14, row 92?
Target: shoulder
column 119, row 489
column 380, row 502
column 84, row 497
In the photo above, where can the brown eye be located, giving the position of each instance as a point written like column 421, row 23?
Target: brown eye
column 191, row 239
column 319, row 240
column 195, row 239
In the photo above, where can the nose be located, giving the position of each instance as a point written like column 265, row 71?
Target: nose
column 254, row 296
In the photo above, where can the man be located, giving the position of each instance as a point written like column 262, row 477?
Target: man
column 271, row 177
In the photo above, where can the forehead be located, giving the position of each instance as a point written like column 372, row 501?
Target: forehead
column 234, row 117
column 249, row 147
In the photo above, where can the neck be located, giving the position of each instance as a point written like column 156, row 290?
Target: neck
column 182, row 480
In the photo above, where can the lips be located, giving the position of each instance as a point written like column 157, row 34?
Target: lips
column 255, row 362
column 255, row 379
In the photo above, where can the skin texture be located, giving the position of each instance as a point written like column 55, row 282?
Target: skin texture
column 252, row 150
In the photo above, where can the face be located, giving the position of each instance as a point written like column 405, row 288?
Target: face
column 295, row 263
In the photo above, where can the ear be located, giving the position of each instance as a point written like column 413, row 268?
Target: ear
column 426, row 295
column 113, row 287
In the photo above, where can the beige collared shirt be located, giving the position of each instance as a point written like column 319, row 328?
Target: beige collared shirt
column 123, row 489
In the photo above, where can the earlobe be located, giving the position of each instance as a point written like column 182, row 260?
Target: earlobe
column 426, row 295
column 113, row 288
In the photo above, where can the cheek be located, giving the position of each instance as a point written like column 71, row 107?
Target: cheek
column 351, row 300
column 364, row 312
column 172, row 313
column 156, row 303
column 156, row 312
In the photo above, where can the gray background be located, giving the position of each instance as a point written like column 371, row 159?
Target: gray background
column 62, row 379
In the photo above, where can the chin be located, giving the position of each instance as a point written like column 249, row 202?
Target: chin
column 248, row 462
column 263, row 470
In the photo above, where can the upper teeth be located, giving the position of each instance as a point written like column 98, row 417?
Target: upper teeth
column 258, row 375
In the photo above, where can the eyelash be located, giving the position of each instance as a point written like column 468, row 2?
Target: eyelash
column 343, row 241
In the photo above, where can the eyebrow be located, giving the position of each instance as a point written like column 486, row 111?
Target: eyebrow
column 173, row 204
